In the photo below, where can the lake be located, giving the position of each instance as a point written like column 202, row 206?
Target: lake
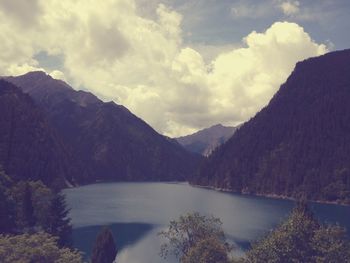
column 136, row 212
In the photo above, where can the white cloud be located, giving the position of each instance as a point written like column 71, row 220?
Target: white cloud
column 290, row 8
column 20, row 69
column 57, row 74
column 142, row 63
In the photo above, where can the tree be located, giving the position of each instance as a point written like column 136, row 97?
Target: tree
column 7, row 222
column 104, row 250
column 331, row 245
column 41, row 197
column 58, row 222
column 41, row 200
column 191, row 234
column 39, row 248
column 208, row 250
column 301, row 238
column 26, row 216
column 7, row 212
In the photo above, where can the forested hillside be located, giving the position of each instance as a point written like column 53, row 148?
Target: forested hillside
column 110, row 141
column 299, row 145
column 29, row 148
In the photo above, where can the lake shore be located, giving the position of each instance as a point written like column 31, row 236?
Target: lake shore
column 273, row 196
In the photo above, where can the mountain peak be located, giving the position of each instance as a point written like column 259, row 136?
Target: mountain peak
column 206, row 140
column 219, row 125
column 44, row 87
column 37, row 73
column 37, row 76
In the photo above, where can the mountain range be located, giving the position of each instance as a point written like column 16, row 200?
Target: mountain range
column 207, row 140
column 299, row 144
column 106, row 141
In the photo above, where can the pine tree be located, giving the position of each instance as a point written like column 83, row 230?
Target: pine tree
column 7, row 223
column 58, row 222
column 104, row 250
column 7, row 212
column 26, row 218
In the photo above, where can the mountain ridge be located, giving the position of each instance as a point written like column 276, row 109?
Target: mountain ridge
column 298, row 145
column 111, row 142
column 205, row 141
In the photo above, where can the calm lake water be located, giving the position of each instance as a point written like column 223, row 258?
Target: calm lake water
column 136, row 212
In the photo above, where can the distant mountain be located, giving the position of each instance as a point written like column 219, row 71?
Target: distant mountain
column 206, row 140
column 29, row 147
column 110, row 141
column 299, row 145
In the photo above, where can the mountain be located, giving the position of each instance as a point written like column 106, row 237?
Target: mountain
column 110, row 141
column 297, row 146
column 206, row 140
column 29, row 147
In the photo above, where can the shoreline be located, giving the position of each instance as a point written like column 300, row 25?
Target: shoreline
column 272, row 196
column 224, row 190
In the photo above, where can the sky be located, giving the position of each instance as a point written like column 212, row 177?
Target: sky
column 181, row 65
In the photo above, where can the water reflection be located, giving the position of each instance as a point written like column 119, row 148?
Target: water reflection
column 125, row 234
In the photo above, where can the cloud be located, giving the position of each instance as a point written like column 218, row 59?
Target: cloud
column 57, row 74
column 290, row 8
column 22, row 11
column 142, row 62
column 248, row 77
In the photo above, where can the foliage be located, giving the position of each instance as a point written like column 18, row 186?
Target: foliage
column 302, row 239
column 36, row 202
column 58, row 222
column 208, row 250
column 191, row 234
column 33, row 207
column 41, row 197
column 331, row 245
column 7, row 213
column 26, row 218
column 39, row 248
column 104, row 250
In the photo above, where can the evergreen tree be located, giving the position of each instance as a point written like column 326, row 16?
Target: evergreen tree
column 58, row 222
column 26, row 218
column 7, row 213
column 7, row 224
column 104, row 250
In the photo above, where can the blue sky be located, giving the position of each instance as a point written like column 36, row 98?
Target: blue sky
column 215, row 22
column 180, row 65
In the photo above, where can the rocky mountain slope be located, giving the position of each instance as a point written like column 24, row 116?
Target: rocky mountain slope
column 206, row 140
